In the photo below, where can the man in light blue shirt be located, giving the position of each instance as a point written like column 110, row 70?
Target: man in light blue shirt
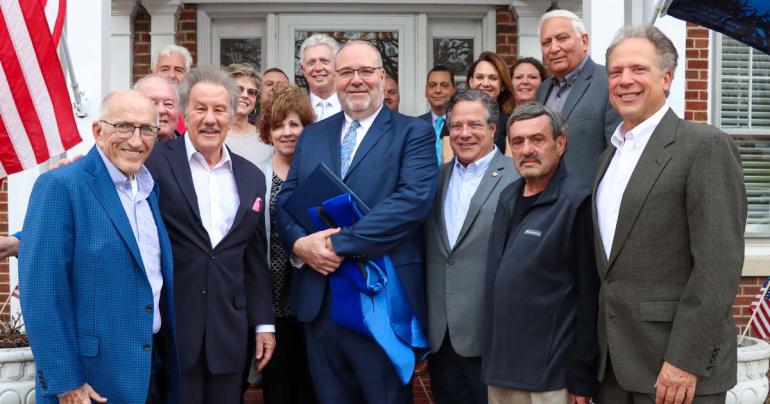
column 457, row 234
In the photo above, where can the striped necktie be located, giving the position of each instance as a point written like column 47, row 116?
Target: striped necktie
column 346, row 150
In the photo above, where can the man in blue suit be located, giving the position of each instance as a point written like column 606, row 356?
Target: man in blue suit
column 389, row 161
column 96, row 270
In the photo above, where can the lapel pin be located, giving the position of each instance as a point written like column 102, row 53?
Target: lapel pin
column 494, row 173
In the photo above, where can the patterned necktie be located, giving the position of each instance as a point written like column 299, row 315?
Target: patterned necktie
column 438, row 125
column 348, row 144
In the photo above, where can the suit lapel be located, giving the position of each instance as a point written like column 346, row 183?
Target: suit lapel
column 604, row 162
column 180, row 167
column 379, row 127
column 488, row 183
column 335, row 141
column 652, row 162
column 104, row 190
column 244, row 184
column 579, row 88
column 446, row 176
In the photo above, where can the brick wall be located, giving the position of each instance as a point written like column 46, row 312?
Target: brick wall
column 507, row 35
column 187, row 30
column 696, row 73
column 141, row 44
column 748, row 288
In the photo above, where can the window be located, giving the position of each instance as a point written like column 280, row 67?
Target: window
column 743, row 94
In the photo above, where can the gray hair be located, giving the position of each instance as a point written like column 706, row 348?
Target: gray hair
column 168, row 50
column 212, row 75
column 667, row 54
column 577, row 23
column 154, row 76
column 491, row 115
column 365, row 43
column 316, row 40
column 245, row 70
column 105, row 104
column 533, row 110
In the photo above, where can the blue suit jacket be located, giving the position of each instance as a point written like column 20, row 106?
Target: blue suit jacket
column 394, row 172
column 86, row 299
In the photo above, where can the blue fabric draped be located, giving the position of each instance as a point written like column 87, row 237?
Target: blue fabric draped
column 367, row 296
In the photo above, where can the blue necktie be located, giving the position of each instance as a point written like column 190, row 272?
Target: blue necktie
column 438, row 124
column 348, row 144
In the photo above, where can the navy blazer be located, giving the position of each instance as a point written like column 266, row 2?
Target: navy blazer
column 394, row 172
column 88, row 306
column 542, row 292
column 221, row 292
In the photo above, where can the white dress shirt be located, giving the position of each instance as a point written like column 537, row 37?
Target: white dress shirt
column 217, row 195
column 365, row 123
column 325, row 108
column 216, row 191
column 462, row 186
column 629, row 147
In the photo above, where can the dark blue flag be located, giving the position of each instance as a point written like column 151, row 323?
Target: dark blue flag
column 747, row 21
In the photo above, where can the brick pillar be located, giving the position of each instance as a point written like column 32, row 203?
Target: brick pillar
column 747, row 290
column 696, row 73
column 187, row 30
column 507, row 35
column 141, row 48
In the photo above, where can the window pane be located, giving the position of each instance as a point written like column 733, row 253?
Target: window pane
column 241, row 50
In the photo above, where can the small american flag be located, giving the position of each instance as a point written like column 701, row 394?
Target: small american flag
column 761, row 305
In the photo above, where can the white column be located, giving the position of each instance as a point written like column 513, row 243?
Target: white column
column 602, row 18
column 88, row 36
column 529, row 13
column 163, row 17
column 121, row 41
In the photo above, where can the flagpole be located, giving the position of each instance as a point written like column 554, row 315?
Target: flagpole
column 657, row 9
column 79, row 110
column 754, row 314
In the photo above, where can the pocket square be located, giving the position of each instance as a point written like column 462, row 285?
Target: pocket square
column 257, row 206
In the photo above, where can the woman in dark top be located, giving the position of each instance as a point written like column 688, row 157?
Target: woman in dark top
column 489, row 73
column 286, row 378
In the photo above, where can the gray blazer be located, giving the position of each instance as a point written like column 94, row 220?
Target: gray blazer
column 455, row 278
column 668, row 286
column 590, row 118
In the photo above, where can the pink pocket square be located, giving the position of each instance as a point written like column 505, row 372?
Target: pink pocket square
column 257, row 206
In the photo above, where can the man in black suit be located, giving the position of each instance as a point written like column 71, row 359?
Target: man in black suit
column 211, row 202
column 439, row 88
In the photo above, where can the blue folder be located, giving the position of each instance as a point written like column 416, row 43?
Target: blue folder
column 321, row 185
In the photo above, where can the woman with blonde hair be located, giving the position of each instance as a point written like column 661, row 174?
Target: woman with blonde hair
column 243, row 138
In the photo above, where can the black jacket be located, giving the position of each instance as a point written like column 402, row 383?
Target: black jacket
column 542, row 292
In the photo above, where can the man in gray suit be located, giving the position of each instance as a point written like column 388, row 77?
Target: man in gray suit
column 457, row 237
column 577, row 89
column 669, row 213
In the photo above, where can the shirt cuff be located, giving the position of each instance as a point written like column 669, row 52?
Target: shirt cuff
column 296, row 261
column 265, row 328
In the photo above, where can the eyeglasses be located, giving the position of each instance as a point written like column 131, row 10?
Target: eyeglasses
column 126, row 130
column 365, row 72
column 251, row 92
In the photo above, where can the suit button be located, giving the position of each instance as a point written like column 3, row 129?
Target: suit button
column 147, row 347
column 451, row 262
column 204, row 291
column 608, row 281
column 148, row 308
column 213, row 257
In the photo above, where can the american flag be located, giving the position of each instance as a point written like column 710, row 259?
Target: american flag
column 761, row 305
column 36, row 115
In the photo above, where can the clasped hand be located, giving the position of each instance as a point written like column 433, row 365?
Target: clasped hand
column 317, row 251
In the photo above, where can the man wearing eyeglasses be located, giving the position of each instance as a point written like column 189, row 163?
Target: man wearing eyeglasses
column 96, row 269
column 389, row 161
column 317, row 55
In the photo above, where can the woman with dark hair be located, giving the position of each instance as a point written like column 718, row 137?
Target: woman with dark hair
column 489, row 73
column 286, row 378
column 526, row 75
